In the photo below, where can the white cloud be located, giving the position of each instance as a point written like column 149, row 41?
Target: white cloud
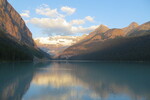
column 77, row 22
column 68, row 10
column 61, row 40
column 59, row 26
column 89, row 18
column 56, row 44
column 45, row 10
column 26, row 13
column 82, row 21
column 55, row 23
column 51, row 26
column 81, row 29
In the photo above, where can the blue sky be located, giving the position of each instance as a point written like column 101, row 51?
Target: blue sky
column 113, row 13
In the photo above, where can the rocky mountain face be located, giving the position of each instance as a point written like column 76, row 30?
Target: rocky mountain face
column 140, row 30
column 114, row 44
column 15, row 37
column 113, row 33
column 88, row 45
column 98, row 31
column 13, row 24
column 131, row 27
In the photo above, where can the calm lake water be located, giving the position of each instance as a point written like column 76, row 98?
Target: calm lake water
column 75, row 81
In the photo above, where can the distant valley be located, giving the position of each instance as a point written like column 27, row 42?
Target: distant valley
column 56, row 44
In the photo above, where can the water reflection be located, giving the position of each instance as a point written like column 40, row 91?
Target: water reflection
column 76, row 81
column 15, row 79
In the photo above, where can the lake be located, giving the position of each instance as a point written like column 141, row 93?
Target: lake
column 75, row 80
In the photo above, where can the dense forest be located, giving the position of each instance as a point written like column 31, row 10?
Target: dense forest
column 11, row 50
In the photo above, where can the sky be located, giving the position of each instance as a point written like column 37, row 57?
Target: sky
column 77, row 17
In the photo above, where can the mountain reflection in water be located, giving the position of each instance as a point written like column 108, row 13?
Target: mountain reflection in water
column 75, row 81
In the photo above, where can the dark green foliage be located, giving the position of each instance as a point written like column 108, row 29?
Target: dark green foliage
column 11, row 50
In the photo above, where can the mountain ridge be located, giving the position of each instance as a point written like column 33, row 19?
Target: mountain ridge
column 94, row 46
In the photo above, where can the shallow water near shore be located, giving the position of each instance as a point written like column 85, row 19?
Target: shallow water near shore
column 75, row 80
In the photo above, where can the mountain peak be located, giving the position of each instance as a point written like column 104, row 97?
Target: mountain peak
column 102, row 26
column 130, row 27
column 134, row 24
column 99, row 30
column 144, row 29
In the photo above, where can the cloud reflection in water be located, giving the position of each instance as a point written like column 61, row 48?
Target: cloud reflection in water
column 91, row 81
